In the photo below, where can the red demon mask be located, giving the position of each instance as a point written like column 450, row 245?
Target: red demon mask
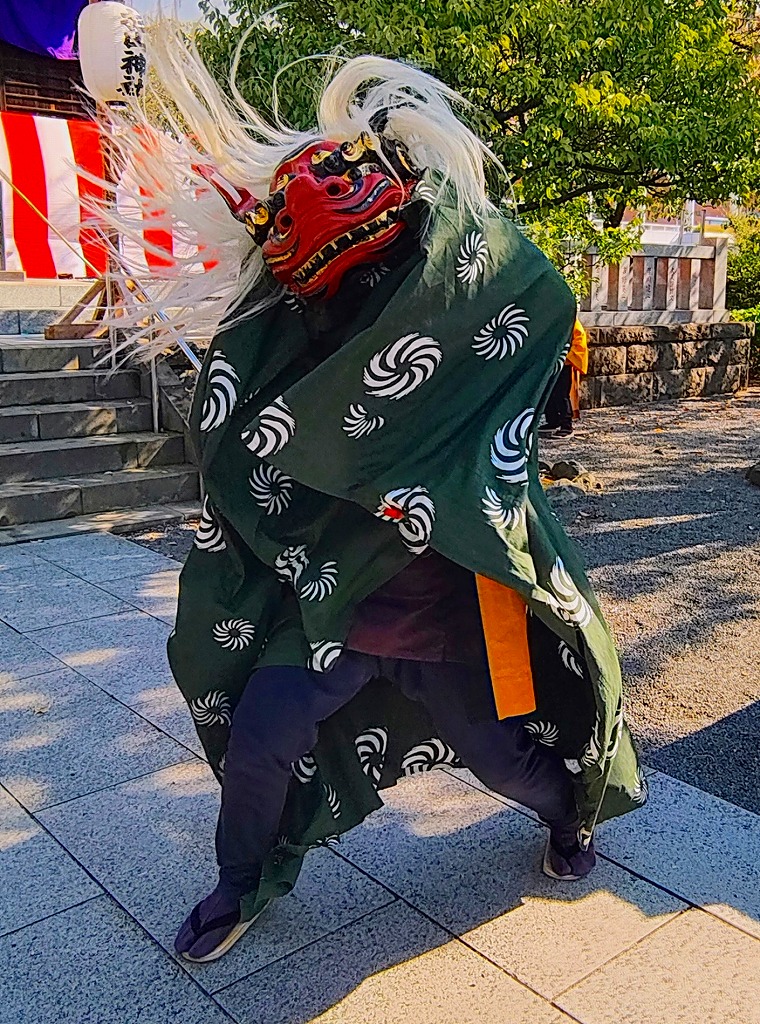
column 331, row 206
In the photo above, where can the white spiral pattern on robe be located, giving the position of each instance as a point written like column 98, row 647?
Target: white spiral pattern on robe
column 305, row 768
column 592, row 754
column 371, row 747
column 640, row 789
column 294, row 303
column 208, row 536
column 324, row 654
column 569, row 603
column 276, row 427
column 595, row 752
column 212, row 709
column 323, row 585
column 359, row 423
column 472, row 258
column 399, row 369
column 423, row 190
column 569, row 659
column 234, row 634
column 373, row 275
column 503, row 335
column 501, row 518
column 333, row 800
column 413, row 510
column 221, row 392
column 562, row 357
column 291, row 563
column 511, row 446
column 543, row 732
column 426, row 756
column 271, row 489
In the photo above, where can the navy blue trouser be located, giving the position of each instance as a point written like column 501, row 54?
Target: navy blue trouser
column 276, row 722
column 559, row 409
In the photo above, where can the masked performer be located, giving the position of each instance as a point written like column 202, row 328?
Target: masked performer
column 378, row 586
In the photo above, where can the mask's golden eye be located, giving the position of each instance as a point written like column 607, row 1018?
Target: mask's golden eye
column 260, row 215
column 358, row 148
column 320, row 156
column 282, row 181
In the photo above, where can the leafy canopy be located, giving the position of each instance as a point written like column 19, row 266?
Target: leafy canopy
column 593, row 106
column 610, row 99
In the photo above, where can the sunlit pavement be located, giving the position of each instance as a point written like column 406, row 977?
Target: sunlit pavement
column 433, row 911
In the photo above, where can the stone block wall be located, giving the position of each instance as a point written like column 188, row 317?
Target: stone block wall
column 629, row 365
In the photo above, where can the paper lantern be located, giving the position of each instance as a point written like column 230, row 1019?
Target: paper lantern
column 112, row 51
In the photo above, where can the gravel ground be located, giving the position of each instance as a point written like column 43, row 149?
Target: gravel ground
column 672, row 543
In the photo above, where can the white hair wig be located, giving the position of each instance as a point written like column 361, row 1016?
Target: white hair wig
column 214, row 263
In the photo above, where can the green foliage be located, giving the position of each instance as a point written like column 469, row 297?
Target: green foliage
column 592, row 106
column 743, row 285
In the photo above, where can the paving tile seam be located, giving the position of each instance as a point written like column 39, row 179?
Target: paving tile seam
column 92, row 682
column 623, row 952
column 624, row 867
column 166, row 956
column 41, row 825
column 400, row 898
column 55, row 913
column 300, row 949
column 73, row 622
column 126, row 600
column 115, row 785
column 128, row 707
column 106, row 894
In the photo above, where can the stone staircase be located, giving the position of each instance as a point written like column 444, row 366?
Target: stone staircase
column 78, row 450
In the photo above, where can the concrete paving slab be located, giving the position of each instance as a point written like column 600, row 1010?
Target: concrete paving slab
column 694, row 969
column 124, row 654
column 20, row 556
column 168, row 819
column 39, row 878
column 62, row 737
column 702, row 848
column 98, row 557
column 155, row 593
column 42, row 595
column 558, row 932
column 392, row 967
column 21, row 657
column 167, row 709
column 94, row 965
column 473, row 865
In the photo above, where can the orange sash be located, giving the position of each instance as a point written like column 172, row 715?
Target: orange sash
column 505, row 625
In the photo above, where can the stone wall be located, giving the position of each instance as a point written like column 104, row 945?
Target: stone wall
column 628, row 365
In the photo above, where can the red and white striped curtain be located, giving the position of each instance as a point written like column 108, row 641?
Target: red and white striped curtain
column 41, row 156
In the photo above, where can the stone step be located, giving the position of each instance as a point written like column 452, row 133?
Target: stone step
column 78, row 456
column 68, row 386
column 119, row 521
column 44, row 500
column 76, row 419
column 32, row 354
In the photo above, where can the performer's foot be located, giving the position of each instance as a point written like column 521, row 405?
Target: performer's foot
column 213, row 928
column 562, row 432
column 569, row 863
column 546, row 431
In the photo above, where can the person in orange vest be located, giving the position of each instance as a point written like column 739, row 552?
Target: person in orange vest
column 563, row 405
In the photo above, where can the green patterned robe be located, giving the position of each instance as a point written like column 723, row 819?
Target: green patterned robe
column 425, row 409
